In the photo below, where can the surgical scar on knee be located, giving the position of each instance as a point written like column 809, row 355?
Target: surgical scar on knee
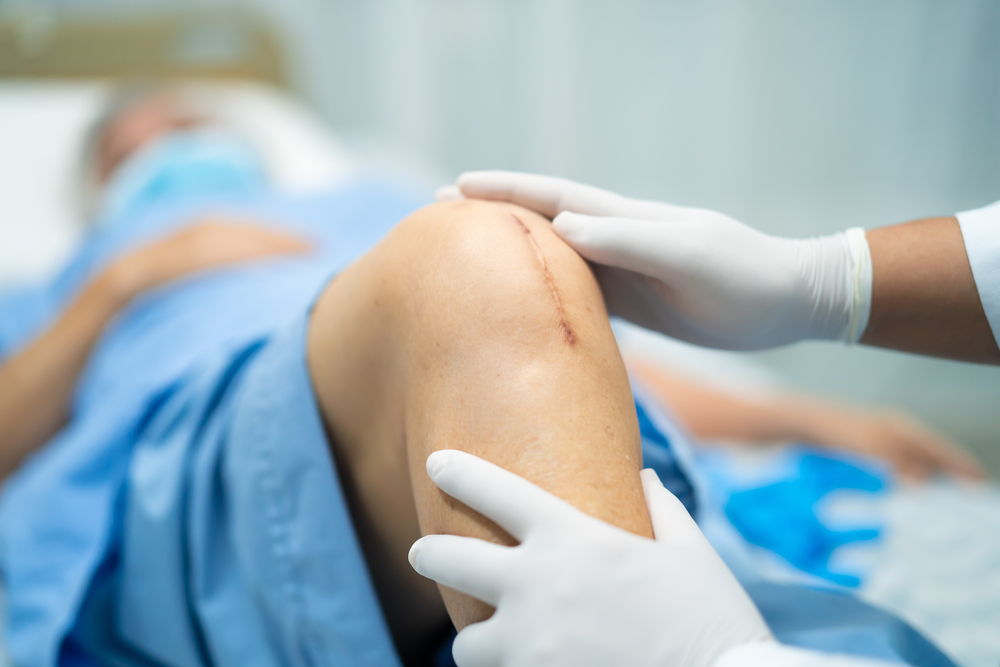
column 549, row 282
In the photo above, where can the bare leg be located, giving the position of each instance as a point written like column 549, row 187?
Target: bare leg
column 472, row 327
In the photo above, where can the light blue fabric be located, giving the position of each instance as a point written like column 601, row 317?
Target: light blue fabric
column 235, row 525
column 160, row 385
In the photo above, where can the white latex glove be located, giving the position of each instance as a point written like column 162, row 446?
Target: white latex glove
column 578, row 592
column 769, row 654
column 695, row 274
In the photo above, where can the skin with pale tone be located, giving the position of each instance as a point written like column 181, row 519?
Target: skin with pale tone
column 472, row 327
column 924, row 296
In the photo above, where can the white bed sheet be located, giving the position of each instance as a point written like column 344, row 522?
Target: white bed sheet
column 42, row 125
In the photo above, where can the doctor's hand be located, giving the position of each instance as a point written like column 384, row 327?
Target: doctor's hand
column 578, row 592
column 695, row 274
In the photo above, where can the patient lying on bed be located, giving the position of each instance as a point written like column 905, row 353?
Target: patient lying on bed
column 238, row 392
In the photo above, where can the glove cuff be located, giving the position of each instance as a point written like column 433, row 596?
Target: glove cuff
column 860, row 276
column 837, row 270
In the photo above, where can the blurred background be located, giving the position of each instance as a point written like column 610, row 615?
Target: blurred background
column 796, row 118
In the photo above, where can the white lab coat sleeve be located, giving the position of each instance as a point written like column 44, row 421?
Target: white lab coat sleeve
column 773, row 654
column 981, row 232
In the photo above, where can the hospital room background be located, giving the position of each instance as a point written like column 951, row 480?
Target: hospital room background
column 797, row 118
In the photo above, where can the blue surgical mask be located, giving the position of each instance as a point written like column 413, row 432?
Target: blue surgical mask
column 181, row 166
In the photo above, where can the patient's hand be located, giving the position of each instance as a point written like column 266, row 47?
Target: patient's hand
column 210, row 244
column 36, row 383
column 916, row 451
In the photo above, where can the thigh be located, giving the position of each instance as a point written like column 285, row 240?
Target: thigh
column 473, row 327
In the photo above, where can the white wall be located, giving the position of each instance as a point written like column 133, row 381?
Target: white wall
column 873, row 109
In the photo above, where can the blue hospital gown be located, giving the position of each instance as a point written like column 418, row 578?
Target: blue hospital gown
column 137, row 503
column 190, row 514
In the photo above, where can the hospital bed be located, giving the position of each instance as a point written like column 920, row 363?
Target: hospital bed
column 936, row 561
column 56, row 75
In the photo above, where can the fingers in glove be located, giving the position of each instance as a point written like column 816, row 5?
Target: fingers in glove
column 624, row 243
column 551, row 196
column 671, row 522
column 448, row 193
column 479, row 645
column 546, row 194
column 469, row 565
column 512, row 502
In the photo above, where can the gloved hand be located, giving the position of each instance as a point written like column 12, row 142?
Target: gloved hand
column 578, row 592
column 695, row 274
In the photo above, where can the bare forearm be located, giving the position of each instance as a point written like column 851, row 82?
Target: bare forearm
column 924, row 297
column 36, row 385
column 713, row 414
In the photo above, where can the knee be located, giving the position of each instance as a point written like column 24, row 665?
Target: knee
column 494, row 269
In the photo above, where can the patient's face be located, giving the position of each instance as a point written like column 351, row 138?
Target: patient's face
column 136, row 125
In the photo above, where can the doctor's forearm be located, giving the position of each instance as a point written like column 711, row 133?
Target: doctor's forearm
column 36, row 385
column 924, row 296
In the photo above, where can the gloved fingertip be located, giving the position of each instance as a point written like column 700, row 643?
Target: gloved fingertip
column 413, row 553
column 567, row 224
column 449, row 192
column 471, row 179
column 491, row 185
column 650, row 479
column 437, row 462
